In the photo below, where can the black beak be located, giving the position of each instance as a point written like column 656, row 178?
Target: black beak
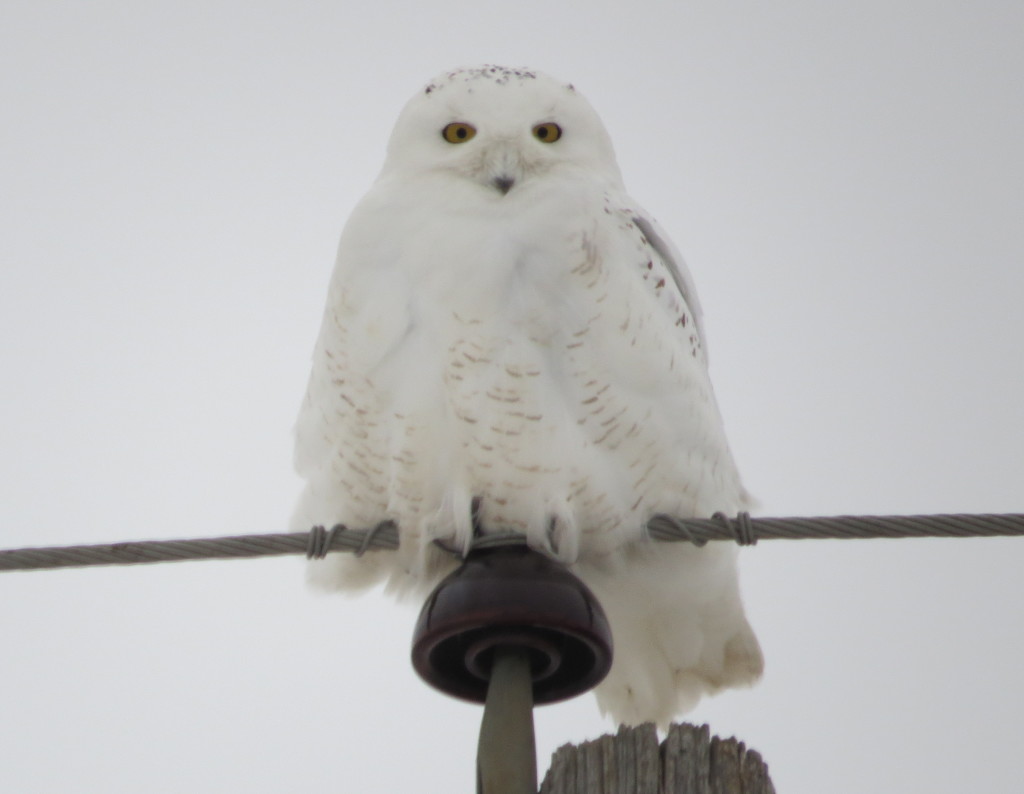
column 503, row 183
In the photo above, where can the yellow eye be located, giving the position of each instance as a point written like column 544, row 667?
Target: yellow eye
column 458, row 132
column 548, row 132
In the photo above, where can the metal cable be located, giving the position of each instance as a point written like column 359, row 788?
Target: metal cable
column 319, row 541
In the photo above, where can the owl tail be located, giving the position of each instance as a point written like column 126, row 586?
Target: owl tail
column 678, row 628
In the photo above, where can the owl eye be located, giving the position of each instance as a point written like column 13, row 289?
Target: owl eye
column 458, row 132
column 548, row 132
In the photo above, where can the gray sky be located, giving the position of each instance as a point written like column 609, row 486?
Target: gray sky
column 847, row 185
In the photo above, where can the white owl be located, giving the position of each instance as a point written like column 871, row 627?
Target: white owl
column 506, row 325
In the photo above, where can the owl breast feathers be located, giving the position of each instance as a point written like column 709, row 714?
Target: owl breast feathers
column 507, row 330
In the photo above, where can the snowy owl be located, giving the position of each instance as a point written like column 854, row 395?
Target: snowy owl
column 509, row 339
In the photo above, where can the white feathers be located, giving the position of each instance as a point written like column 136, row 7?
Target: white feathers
column 505, row 323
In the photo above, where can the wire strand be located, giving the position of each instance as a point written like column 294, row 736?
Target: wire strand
column 318, row 542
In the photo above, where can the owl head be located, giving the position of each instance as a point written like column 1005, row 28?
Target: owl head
column 500, row 129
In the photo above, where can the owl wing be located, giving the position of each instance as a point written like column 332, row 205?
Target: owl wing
column 675, row 609
column 673, row 261
column 341, row 450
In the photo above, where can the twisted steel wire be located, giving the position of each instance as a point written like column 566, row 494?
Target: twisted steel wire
column 319, row 541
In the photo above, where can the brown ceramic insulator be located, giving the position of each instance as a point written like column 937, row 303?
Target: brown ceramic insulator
column 514, row 596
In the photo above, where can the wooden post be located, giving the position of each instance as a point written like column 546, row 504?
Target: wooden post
column 689, row 761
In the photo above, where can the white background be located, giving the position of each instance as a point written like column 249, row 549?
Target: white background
column 847, row 185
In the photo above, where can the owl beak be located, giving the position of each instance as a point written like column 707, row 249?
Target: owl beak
column 503, row 183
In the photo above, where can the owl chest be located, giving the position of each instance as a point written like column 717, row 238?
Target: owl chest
column 498, row 285
column 503, row 320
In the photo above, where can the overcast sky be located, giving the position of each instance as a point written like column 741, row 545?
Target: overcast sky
column 847, row 185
